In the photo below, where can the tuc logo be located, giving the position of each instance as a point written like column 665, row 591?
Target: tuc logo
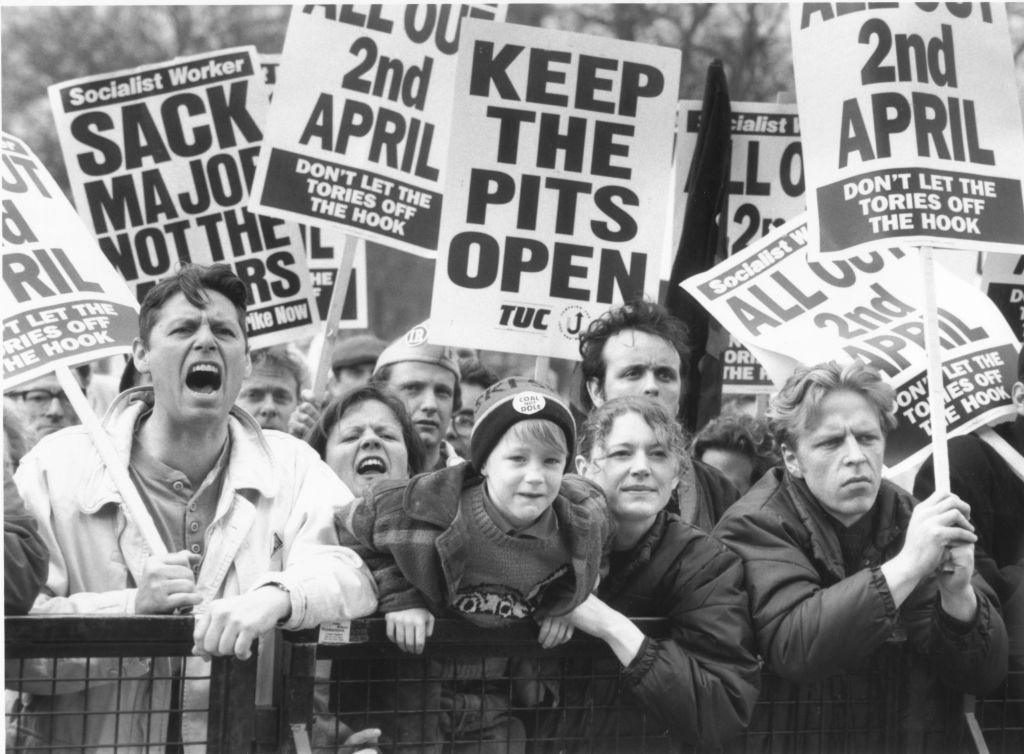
column 524, row 317
column 572, row 321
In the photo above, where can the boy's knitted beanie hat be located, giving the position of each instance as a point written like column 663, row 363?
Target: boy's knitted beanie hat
column 512, row 400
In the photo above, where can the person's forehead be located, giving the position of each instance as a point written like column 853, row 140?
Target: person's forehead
column 217, row 307
column 46, row 382
column 635, row 346
column 418, row 371
column 841, row 409
column 270, row 374
column 630, row 428
column 369, row 412
column 719, row 457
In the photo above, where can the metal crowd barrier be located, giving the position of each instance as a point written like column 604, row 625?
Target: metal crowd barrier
column 73, row 681
column 471, row 691
column 999, row 716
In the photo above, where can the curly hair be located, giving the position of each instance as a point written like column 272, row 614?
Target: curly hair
column 641, row 315
column 475, row 372
column 599, row 423
column 798, row 405
column 742, row 434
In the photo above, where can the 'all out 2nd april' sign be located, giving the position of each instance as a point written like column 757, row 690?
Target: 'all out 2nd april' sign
column 911, row 129
column 63, row 304
column 555, row 200
column 790, row 310
column 358, row 139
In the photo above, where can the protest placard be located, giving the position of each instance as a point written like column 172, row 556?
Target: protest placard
column 1002, row 278
column 269, row 64
column 790, row 310
column 766, row 189
column 324, row 248
column 742, row 374
column 766, row 186
column 62, row 301
column 910, row 128
column 160, row 159
column 555, row 200
column 358, row 140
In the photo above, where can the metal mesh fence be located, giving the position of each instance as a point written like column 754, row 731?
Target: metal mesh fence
column 82, row 684
column 1000, row 715
column 128, row 684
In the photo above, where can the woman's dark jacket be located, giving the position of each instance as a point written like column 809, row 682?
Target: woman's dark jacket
column 700, row 683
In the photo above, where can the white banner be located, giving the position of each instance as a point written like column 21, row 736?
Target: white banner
column 911, row 126
column 323, row 249
column 789, row 311
column 62, row 301
column 160, row 159
column 358, row 134
column 555, row 201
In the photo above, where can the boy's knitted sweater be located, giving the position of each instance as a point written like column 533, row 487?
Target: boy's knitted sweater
column 416, row 537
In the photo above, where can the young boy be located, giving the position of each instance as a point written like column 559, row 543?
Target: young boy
column 504, row 538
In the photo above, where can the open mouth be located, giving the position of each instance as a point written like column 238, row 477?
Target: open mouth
column 203, row 377
column 372, row 465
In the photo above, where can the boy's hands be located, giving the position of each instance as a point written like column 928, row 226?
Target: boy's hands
column 555, row 630
column 410, row 629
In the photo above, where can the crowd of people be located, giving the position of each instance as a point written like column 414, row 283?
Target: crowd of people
column 426, row 486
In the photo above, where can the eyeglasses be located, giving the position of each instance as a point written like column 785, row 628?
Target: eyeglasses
column 39, row 397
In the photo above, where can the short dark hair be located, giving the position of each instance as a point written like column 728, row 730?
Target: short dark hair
column 475, row 372
column 743, row 434
column 336, row 410
column 383, row 377
column 645, row 316
column 192, row 281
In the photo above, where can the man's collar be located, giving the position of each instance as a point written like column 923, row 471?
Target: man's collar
column 250, row 465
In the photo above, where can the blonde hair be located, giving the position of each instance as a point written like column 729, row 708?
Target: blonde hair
column 547, row 435
column 797, row 407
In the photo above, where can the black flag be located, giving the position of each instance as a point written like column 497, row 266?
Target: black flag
column 703, row 243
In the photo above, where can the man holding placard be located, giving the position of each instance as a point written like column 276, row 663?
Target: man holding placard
column 986, row 470
column 245, row 519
